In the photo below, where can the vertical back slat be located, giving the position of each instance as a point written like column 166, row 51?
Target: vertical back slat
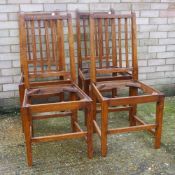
column 40, row 43
column 84, row 35
column 126, row 42
column 71, row 49
column 93, row 62
column 114, row 51
column 28, row 40
column 47, row 44
column 96, row 36
column 78, row 40
column 107, row 42
column 52, row 24
column 119, row 42
column 34, row 45
column 100, row 33
column 61, row 44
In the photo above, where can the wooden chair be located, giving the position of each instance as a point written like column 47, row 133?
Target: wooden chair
column 49, row 78
column 123, row 60
column 83, row 51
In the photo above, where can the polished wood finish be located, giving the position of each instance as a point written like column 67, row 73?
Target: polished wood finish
column 123, row 47
column 102, row 52
column 48, row 86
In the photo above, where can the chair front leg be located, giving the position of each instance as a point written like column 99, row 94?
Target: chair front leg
column 104, row 128
column 88, row 92
column 159, row 118
column 94, row 101
column 27, row 132
column 89, row 117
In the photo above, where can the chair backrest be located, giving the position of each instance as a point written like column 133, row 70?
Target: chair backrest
column 117, row 45
column 83, row 37
column 44, row 40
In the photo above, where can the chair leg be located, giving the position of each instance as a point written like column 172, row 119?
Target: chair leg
column 21, row 95
column 104, row 128
column 73, row 120
column 74, row 114
column 87, row 91
column 159, row 118
column 31, row 121
column 27, row 132
column 132, row 113
column 89, row 117
column 22, row 120
column 133, row 110
column 94, row 101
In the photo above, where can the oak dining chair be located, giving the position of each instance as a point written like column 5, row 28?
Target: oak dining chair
column 49, row 87
column 120, row 58
column 101, row 52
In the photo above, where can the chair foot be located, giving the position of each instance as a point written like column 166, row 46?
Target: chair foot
column 90, row 154
column 157, row 146
column 29, row 155
column 104, row 151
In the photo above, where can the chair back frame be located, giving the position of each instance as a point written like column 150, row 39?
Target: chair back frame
column 117, row 61
column 47, row 28
column 83, row 32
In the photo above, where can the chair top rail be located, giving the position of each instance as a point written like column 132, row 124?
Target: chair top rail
column 54, row 16
column 111, row 16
